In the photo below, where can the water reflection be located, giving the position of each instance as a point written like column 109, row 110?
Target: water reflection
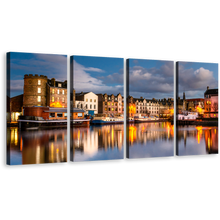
column 106, row 142
column 197, row 140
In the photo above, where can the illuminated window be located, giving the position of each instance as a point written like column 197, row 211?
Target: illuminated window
column 90, row 100
column 52, row 99
column 59, row 84
column 105, row 109
column 63, row 92
column 39, row 82
column 86, row 100
column 112, row 109
column 112, row 103
column 39, row 90
column 108, row 103
column 52, row 91
column 39, row 98
column 94, row 100
column 58, row 91
column 58, row 99
column 109, row 98
column 63, row 100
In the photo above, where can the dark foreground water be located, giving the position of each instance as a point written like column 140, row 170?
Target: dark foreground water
column 106, row 142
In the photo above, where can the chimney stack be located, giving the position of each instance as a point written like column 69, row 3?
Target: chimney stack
column 53, row 81
column 207, row 87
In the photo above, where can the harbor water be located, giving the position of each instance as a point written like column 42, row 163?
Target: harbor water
column 106, row 142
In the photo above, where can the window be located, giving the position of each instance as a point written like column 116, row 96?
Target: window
column 52, row 115
column 116, row 99
column 112, row 109
column 115, row 104
column 108, row 103
column 39, row 82
column 86, row 106
column 105, row 103
column 105, row 109
column 86, row 100
column 58, row 91
column 65, row 114
column 39, row 98
column 109, row 98
column 52, row 99
column 90, row 106
column 58, row 99
column 119, row 109
column 80, row 114
column 105, row 97
column 109, row 109
column 94, row 100
column 94, row 106
column 116, row 109
column 52, row 91
column 81, row 105
column 90, row 100
column 59, row 115
column 63, row 92
column 59, row 84
column 39, row 90
column 63, row 100
column 112, row 103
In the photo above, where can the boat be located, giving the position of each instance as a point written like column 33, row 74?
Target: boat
column 146, row 119
column 107, row 120
column 34, row 123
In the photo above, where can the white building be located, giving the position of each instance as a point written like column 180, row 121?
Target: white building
column 88, row 101
column 189, row 116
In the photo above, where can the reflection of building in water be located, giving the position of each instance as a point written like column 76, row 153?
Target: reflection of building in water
column 85, row 140
column 46, row 147
column 89, row 140
column 211, row 140
column 150, row 132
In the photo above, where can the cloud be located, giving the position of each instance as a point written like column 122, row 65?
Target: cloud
column 199, row 79
column 53, row 66
column 86, row 82
column 16, row 85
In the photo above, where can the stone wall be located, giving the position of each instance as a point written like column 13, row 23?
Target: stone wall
column 31, row 94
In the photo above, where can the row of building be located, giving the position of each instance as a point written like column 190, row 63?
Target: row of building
column 39, row 91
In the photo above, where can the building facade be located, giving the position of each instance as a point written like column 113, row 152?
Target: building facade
column 15, row 108
column 88, row 101
column 211, row 103
column 194, row 104
column 41, row 91
column 110, row 104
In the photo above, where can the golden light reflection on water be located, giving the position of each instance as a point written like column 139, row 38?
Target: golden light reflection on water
column 51, row 146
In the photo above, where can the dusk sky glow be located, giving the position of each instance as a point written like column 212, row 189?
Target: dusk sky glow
column 147, row 78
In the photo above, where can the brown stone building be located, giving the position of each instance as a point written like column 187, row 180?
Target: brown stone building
column 41, row 91
column 110, row 104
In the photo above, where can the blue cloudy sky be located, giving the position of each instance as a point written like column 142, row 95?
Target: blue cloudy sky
column 147, row 78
